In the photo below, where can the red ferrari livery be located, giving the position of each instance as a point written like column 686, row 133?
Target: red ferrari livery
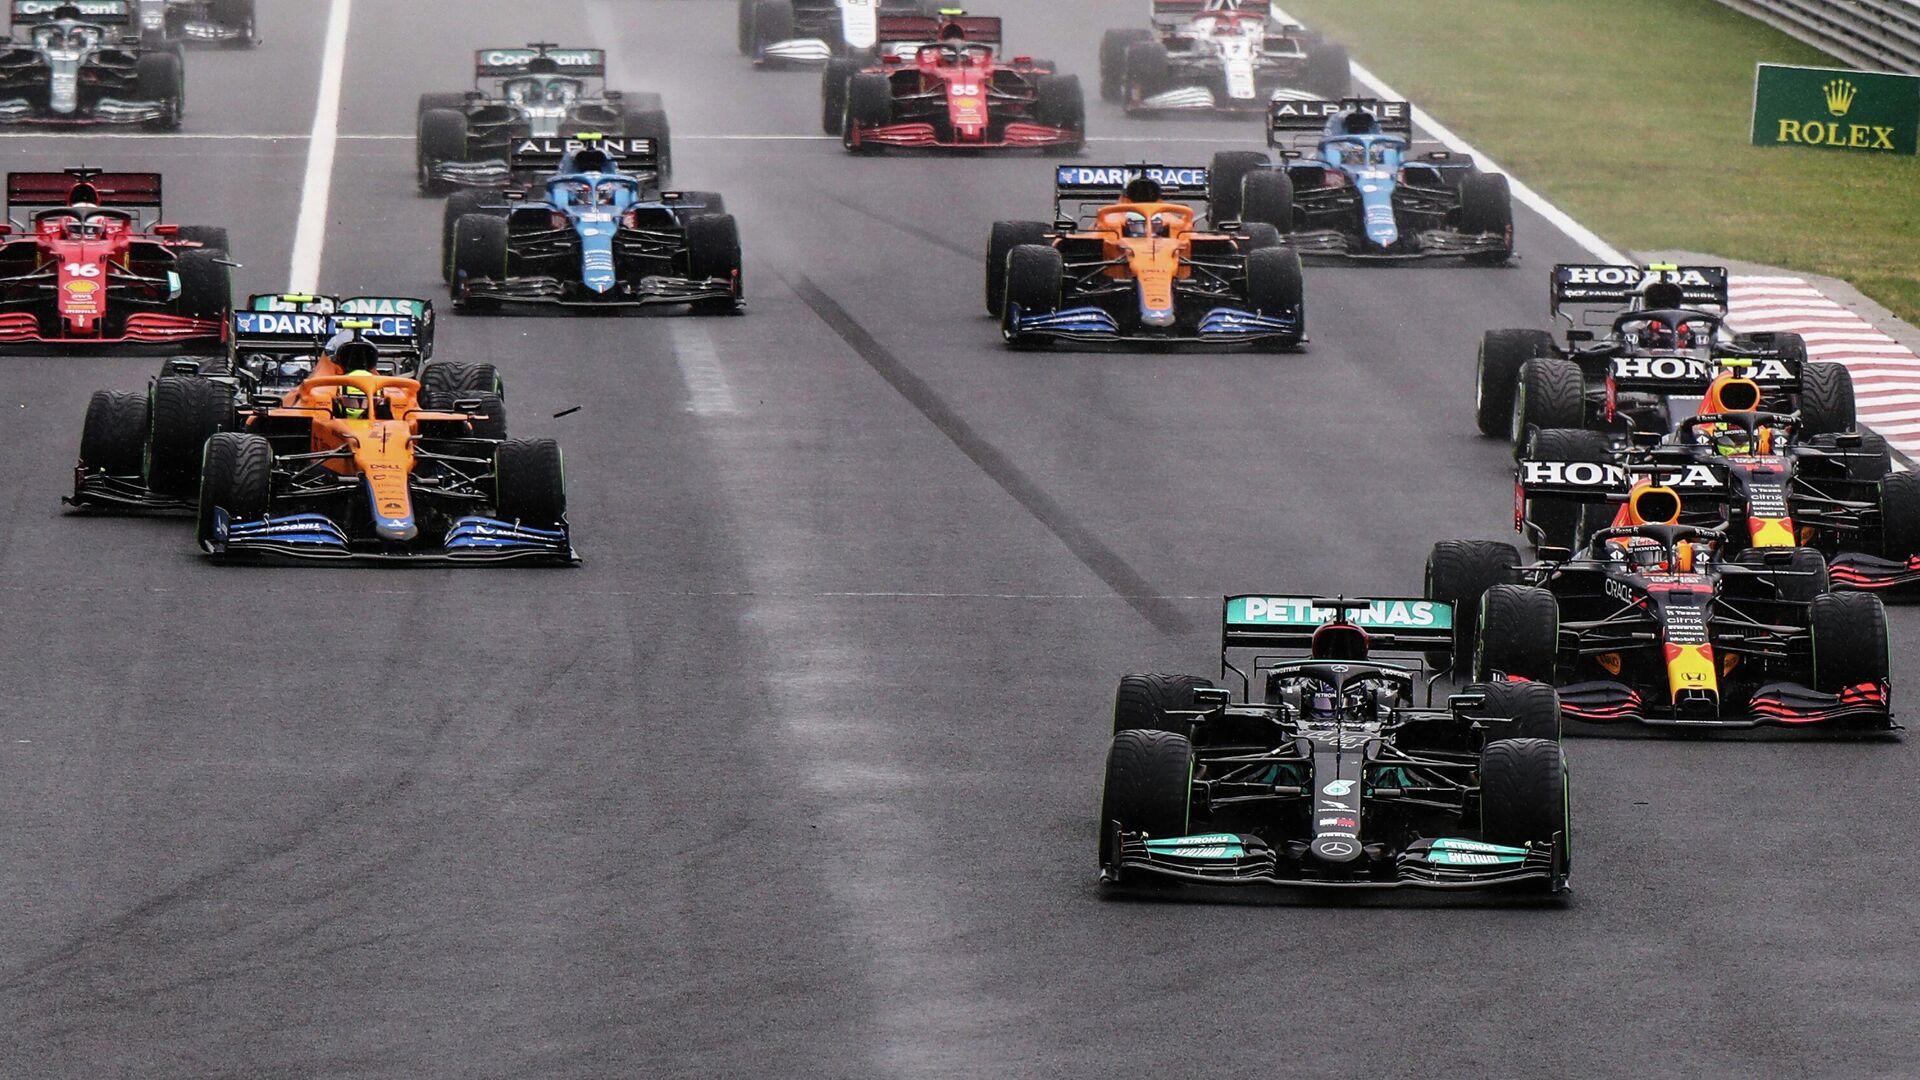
column 92, row 269
column 941, row 85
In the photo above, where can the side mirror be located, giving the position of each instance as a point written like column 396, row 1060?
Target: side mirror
column 1553, row 554
column 264, row 401
column 1847, row 441
column 165, row 230
column 1212, row 697
column 1459, row 703
column 1577, row 336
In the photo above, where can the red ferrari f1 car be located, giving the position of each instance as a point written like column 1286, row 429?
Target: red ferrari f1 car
column 941, row 84
column 93, row 268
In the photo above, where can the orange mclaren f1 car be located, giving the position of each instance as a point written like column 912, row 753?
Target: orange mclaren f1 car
column 1126, row 259
column 354, row 467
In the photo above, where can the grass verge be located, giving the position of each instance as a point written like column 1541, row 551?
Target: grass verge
column 1633, row 116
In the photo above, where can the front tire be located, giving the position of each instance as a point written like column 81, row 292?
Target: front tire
column 1826, row 398
column 186, row 411
column 1001, row 240
column 1148, row 789
column 113, row 438
column 1849, row 641
column 1519, row 634
column 1266, row 195
column 441, row 137
column 236, row 475
column 1523, row 792
column 713, row 253
column 530, row 482
column 479, row 254
column 1486, row 206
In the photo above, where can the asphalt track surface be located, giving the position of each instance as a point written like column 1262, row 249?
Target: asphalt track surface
column 797, row 776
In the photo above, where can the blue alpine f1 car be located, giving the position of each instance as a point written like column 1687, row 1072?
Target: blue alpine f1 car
column 594, row 235
column 1352, row 182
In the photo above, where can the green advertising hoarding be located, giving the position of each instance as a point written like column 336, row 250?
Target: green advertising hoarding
column 1836, row 108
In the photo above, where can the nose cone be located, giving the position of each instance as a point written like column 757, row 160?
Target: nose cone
column 395, row 528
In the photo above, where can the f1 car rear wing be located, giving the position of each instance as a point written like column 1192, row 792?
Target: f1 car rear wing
column 1689, row 376
column 1602, row 285
column 289, row 321
column 539, row 58
column 98, row 12
column 1085, row 186
column 973, row 29
column 1611, row 481
column 1400, row 624
column 635, row 155
column 1170, row 13
column 43, row 189
column 1294, row 122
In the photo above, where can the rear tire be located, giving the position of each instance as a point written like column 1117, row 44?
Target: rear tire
column 488, row 418
column 1143, row 700
column 1826, row 398
column 1523, row 792
column 444, row 382
column 185, row 412
column 1327, row 72
column 1551, row 394
column 1519, row 633
column 1113, row 60
column 1563, row 522
column 1849, row 641
column 441, row 136
column 652, row 124
column 1224, row 176
column 1900, row 515
column 1458, row 572
column 113, row 439
column 1148, row 789
column 1486, row 206
column 1266, row 195
column 1497, row 374
column 1001, row 240
column 236, row 475
column 530, row 482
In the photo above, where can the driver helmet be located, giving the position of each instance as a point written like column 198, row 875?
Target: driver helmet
column 592, row 160
column 351, row 402
column 1658, row 293
column 1730, row 441
column 352, row 353
column 1352, row 154
column 1647, row 555
column 1339, row 641
column 1135, row 224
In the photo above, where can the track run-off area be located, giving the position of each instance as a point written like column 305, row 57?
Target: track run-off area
column 797, row 776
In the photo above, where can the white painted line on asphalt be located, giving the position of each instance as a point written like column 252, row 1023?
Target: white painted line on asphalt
column 1532, row 199
column 310, row 235
column 708, row 393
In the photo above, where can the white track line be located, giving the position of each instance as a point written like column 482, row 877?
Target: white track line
column 708, row 393
column 310, row 235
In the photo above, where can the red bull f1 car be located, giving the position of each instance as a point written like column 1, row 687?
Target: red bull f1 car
column 1219, row 56
column 1636, row 339
column 952, row 91
column 1329, row 776
column 79, row 65
column 93, row 268
column 1652, row 622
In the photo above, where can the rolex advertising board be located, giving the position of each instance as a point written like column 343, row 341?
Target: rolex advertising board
column 1836, row 108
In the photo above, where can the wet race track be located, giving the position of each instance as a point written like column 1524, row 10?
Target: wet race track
column 797, row 776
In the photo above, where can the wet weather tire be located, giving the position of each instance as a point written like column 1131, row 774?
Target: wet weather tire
column 1148, row 787
column 206, row 284
column 1276, row 289
column 441, row 137
column 479, row 254
column 1519, row 634
column 236, row 475
column 1266, row 195
column 530, row 482
column 1486, row 206
column 834, row 84
column 1826, row 398
column 1001, row 240
column 1059, row 103
column 1523, row 791
column 1551, row 394
column 162, row 76
column 1224, row 176
column 1557, row 521
column 186, row 411
column 1497, row 374
column 869, row 104
column 459, row 205
column 1458, row 572
column 1533, row 707
column 1849, row 641
column 1148, row 71
column 1900, row 515
column 1113, row 59
column 713, row 252
column 113, row 439
column 1143, row 700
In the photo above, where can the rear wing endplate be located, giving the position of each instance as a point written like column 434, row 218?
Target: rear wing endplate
column 1259, row 621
